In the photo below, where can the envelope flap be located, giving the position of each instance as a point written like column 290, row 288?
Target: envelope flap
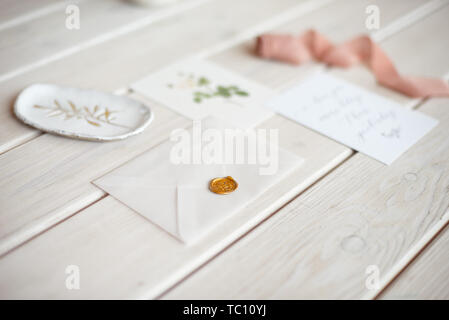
column 156, row 203
column 200, row 210
column 177, row 198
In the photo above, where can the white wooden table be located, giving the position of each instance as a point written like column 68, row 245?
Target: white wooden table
column 341, row 213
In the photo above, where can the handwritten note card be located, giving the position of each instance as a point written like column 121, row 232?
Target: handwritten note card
column 364, row 121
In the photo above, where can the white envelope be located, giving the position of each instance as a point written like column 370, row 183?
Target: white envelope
column 177, row 198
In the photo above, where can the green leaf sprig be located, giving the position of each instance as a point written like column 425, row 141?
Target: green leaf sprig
column 208, row 92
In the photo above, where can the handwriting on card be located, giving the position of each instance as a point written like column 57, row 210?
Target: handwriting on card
column 353, row 116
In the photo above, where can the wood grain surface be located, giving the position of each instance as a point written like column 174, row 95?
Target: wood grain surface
column 311, row 236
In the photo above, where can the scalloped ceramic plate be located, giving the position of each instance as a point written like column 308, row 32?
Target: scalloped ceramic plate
column 81, row 114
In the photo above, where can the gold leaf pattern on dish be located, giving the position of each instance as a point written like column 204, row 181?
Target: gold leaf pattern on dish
column 95, row 117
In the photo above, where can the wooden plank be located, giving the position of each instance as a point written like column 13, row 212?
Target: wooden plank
column 40, row 188
column 45, row 181
column 100, row 20
column 19, row 211
column 108, row 238
column 103, row 73
column 361, row 214
column 154, row 250
column 409, row 19
column 427, row 277
column 321, row 244
column 13, row 12
column 431, row 51
column 327, row 21
column 113, row 65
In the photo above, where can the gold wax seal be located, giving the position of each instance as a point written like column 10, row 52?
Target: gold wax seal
column 223, row 185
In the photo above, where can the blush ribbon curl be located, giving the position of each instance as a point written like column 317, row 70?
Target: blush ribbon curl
column 362, row 49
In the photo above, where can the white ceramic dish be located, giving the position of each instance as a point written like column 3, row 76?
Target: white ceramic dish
column 81, row 114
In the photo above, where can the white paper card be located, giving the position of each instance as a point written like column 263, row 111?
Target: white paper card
column 176, row 197
column 197, row 88
column 364, row 121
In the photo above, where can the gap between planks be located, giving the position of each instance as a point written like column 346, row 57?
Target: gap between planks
column 394, row 27
column 101, row 197
column 408, row 19
column 59, row 215
column 391, row 278
column 340, row 162
column 287, row 14
column 141, row 23
column 279, row 19
column 121, row 31
column 415, row 249
column 27, row 17
column 7, row 245
column 320, row 256
column 394, row 272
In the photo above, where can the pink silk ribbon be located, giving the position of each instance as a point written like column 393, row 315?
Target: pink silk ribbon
column 312, row 45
